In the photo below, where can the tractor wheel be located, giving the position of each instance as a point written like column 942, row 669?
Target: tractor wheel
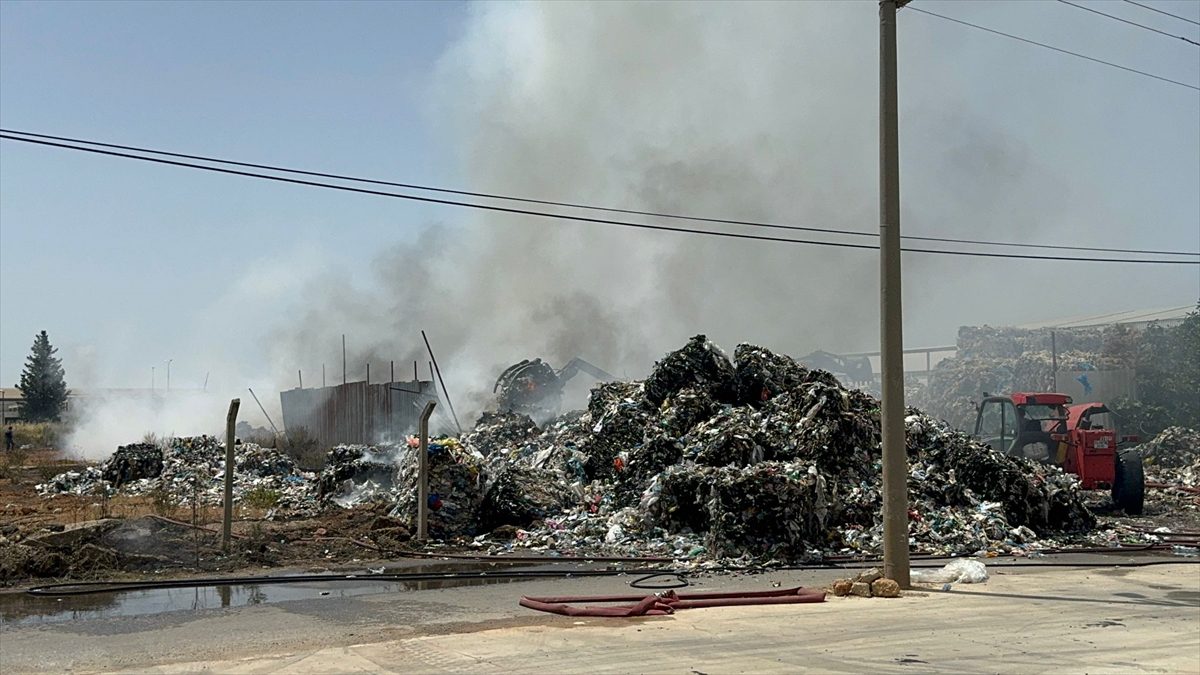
column 1129, row 485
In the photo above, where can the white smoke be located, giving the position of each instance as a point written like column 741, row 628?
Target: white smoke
column 747, row 111
column 751, row 111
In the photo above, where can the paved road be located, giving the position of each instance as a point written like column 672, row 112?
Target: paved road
column 1094, row 620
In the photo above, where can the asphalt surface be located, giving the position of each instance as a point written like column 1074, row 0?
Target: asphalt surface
column 1105, row 619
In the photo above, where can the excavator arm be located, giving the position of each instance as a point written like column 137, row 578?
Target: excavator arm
column 575, row 365
column 856, row 369
column 535, row 388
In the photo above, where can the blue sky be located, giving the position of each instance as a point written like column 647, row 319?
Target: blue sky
column 128, row 265
column 122, row 252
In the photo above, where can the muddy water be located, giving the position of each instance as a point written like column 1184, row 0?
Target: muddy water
column 20, row 609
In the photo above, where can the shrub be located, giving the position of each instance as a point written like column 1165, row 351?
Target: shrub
column 37, row 435
column 163, row 503
column 261, row 498
column 306, row 449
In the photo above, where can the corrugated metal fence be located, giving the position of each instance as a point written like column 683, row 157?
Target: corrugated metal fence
column 1089, row 386
column 356, row 412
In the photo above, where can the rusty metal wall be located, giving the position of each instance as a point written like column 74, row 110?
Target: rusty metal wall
column 356, row 412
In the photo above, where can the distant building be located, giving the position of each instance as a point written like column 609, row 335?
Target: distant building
column 10, row 400
column 1134, row 318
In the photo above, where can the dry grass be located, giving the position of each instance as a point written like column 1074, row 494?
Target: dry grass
column 38, row 435
column 305, row 449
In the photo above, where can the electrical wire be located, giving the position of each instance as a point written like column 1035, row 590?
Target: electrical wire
column 588, row 207
column 584, row 219
column 1155, row 9
column 1056, row 49
column 1131, row 23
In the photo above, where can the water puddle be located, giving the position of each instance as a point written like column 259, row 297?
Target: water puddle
column 21, row 609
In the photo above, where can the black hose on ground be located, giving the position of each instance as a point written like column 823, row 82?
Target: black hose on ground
column 94, row 587
column 680, row 581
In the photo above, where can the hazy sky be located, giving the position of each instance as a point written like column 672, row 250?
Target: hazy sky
column 124, row 260
column 129, row 264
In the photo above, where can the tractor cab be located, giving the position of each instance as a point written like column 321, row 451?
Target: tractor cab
column 1082, row 439
column 1023, row 424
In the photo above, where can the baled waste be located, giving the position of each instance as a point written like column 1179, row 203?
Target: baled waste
column 1001, row 360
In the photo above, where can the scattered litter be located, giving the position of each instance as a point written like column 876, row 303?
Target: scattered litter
column 183, row 467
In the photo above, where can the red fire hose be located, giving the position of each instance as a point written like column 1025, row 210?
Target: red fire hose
column 1173, row 486
column 669, row 602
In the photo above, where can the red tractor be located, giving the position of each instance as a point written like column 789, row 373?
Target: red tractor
column 1079, row 438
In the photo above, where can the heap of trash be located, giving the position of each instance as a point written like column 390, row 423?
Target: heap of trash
column 1001, row 360
column 756, row 456
column 709, row 458
column 1172, row 465
column 387, row 474
column 190, row 469
column 1172, row 448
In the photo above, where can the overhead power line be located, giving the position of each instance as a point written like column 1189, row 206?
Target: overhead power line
column 582, row 219
column 1127, row 21
column 1155, row 9
column 588, row 207
column 1056, row 49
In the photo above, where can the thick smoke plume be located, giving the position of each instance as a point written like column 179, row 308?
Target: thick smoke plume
column 754, row 111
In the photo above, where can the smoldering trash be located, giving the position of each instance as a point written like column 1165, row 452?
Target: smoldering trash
column 709, row 458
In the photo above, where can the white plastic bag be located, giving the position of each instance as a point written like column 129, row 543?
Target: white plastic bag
column 961, row 571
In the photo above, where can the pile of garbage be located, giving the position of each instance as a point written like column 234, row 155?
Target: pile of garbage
column 356, row 474
column 133, row 462
column 1172, row 463
column 387, row 474
column 1001, row 342
column 1003, row 360
column 1172, row 448
column 758, row 456
column 187, row 468
column 754, row 457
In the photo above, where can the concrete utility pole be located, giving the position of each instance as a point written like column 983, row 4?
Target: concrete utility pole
column 423, row 473
column 169, row 374
column 895, row 459
column 230, row 463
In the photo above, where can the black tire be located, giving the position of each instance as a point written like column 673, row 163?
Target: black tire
column 1129, row 482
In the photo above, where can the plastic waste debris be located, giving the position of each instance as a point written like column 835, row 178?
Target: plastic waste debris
column 961, row 571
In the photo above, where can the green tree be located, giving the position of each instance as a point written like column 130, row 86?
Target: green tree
column 1168, row 379
column 43, row 384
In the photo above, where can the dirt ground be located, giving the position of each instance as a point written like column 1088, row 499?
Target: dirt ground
column 81, row 537
column 69, row 537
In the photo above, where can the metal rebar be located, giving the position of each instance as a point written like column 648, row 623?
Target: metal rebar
column 438, row 371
